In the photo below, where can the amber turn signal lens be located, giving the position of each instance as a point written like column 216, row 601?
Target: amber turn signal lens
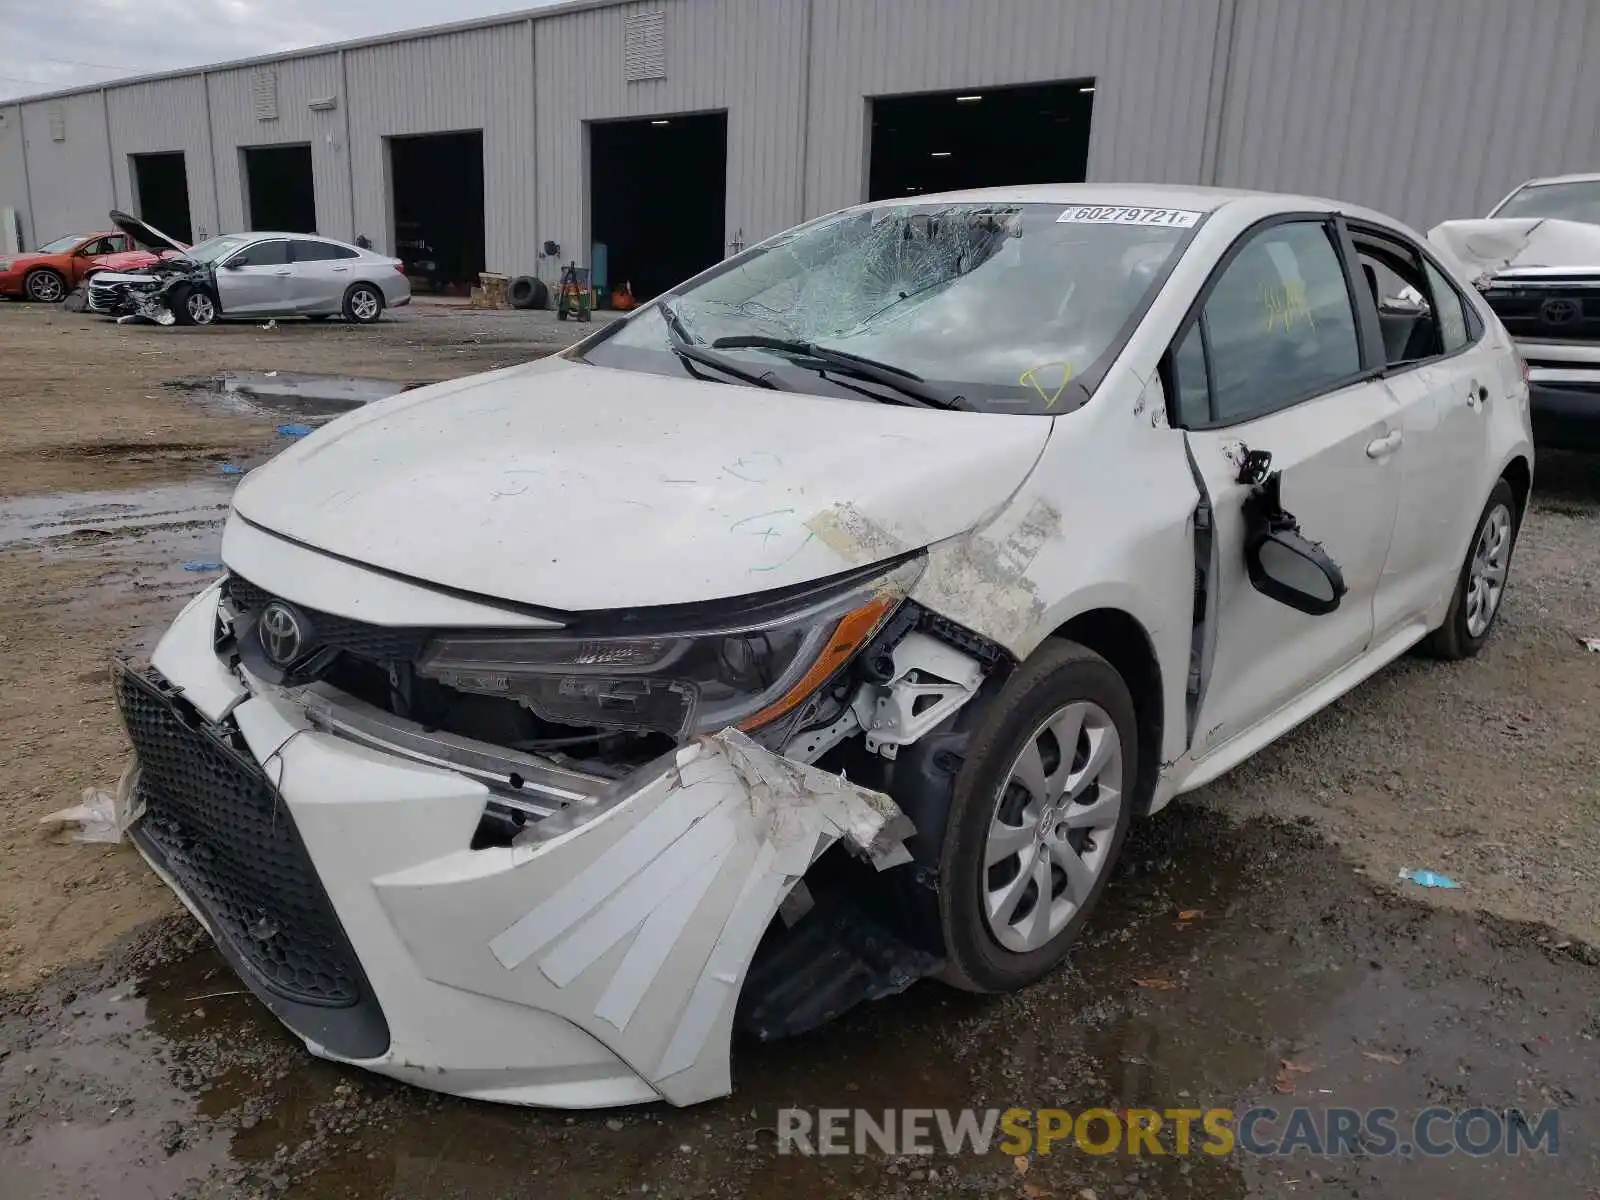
column 849, row 635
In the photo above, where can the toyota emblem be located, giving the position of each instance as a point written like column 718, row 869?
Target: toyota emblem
column 1559, row 312
column 283, row 637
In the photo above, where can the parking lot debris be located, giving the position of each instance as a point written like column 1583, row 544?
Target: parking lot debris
column 231, row 469
column 1427, row 879
column 202, row 566
column 1591, row 644
column 293, row 430
column 95, row 818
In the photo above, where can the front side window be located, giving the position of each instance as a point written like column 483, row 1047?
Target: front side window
column 1280, row 322
column 1016, row 307
column 262, row 254
column 1573, row 201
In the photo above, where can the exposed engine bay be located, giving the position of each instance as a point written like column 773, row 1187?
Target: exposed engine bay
column 157, row 294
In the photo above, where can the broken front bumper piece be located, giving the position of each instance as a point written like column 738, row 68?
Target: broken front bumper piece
column 595, row 961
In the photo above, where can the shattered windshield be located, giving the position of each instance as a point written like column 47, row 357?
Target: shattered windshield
column 1575, row 201
column 1014, row 307
column 212, row 249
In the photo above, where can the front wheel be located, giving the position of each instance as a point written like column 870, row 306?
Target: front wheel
column 363, row 304
column 1481, row 585
column 193, row 306
column 1039, row 814
column 46, row 286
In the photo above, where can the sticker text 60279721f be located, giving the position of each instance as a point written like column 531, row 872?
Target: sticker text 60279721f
column 1119, row 214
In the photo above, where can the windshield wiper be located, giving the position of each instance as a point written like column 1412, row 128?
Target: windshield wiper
column 684, row 346
column 918, row 390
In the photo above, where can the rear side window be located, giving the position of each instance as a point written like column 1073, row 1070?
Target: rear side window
column 305, row 251
column 261, row 254
column 1454, row 330
column 1279, row 323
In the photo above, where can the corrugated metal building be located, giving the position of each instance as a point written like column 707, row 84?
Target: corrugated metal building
column 1424, row 108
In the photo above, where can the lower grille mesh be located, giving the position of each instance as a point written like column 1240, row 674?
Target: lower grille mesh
column 221, row 832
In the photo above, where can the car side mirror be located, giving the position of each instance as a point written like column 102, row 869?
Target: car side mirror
column 1283, row 564
column 1287, row 567
column 231, row 266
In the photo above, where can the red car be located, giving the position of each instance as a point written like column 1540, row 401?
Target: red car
column 50, row 272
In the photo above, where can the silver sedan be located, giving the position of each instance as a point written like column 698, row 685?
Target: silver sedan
column 256, row 275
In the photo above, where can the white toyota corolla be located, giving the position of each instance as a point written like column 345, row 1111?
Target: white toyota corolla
column 818, row 628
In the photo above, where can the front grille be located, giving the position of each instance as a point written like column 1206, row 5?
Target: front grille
column 220, row 830
column 105, row 296
column 1548, row 311
column 375, row 643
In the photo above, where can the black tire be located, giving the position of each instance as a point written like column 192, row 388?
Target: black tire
column 521, row 293
column 45, row 286
column 561, row 314
column 358, row 313
column 541, row 295
column 1454, row 640
column 1059, row 673
column 193, row 305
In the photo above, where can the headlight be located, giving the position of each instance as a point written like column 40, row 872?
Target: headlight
column 696, row 681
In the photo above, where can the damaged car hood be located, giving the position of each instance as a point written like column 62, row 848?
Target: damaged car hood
column 578, row 487
column 143, row 234
column 1521, row 245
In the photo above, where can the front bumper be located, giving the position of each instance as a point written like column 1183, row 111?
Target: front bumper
column 598, row 966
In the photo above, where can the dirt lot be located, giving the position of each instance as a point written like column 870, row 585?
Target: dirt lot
column 136, row 1066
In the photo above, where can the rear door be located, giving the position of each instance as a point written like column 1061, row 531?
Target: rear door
column 1273, row 359
column 1440, row 383
column 321, row 275
column 254, row 281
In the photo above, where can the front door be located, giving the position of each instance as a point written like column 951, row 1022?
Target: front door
column 1271, row 362
column 255, row 281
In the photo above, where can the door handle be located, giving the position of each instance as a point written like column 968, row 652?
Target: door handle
column 341, row 268
column 1384, row 446
column 285, row 271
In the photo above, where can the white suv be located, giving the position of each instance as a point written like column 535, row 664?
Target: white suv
column 820, row 627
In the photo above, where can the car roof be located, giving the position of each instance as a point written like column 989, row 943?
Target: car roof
column 1140, row 195
column 1581, row 177
column 259, row 235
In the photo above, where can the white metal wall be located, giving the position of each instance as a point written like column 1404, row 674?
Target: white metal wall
column 13, row 169
column 478, row 79
column 1425, row 109
column 1151, row 61
column 234, row 125
column 70, row 179
column 152, row 118
column 743, row 56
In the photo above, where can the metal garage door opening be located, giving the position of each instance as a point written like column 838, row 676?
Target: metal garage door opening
column 657, row 200
column 980, row 137
column 437, row 202
column 279, row 195
column 161, row 193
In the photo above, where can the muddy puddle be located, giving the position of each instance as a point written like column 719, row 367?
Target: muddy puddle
column 311, row 398
column 155, row 546
column 1230, row 967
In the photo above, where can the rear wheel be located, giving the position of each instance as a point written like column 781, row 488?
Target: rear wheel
column 1039, row 814
column 46, row 286
column 1481, row 585
column 363, row 304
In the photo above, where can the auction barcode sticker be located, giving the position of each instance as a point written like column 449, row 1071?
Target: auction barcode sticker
column 1117, row 214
